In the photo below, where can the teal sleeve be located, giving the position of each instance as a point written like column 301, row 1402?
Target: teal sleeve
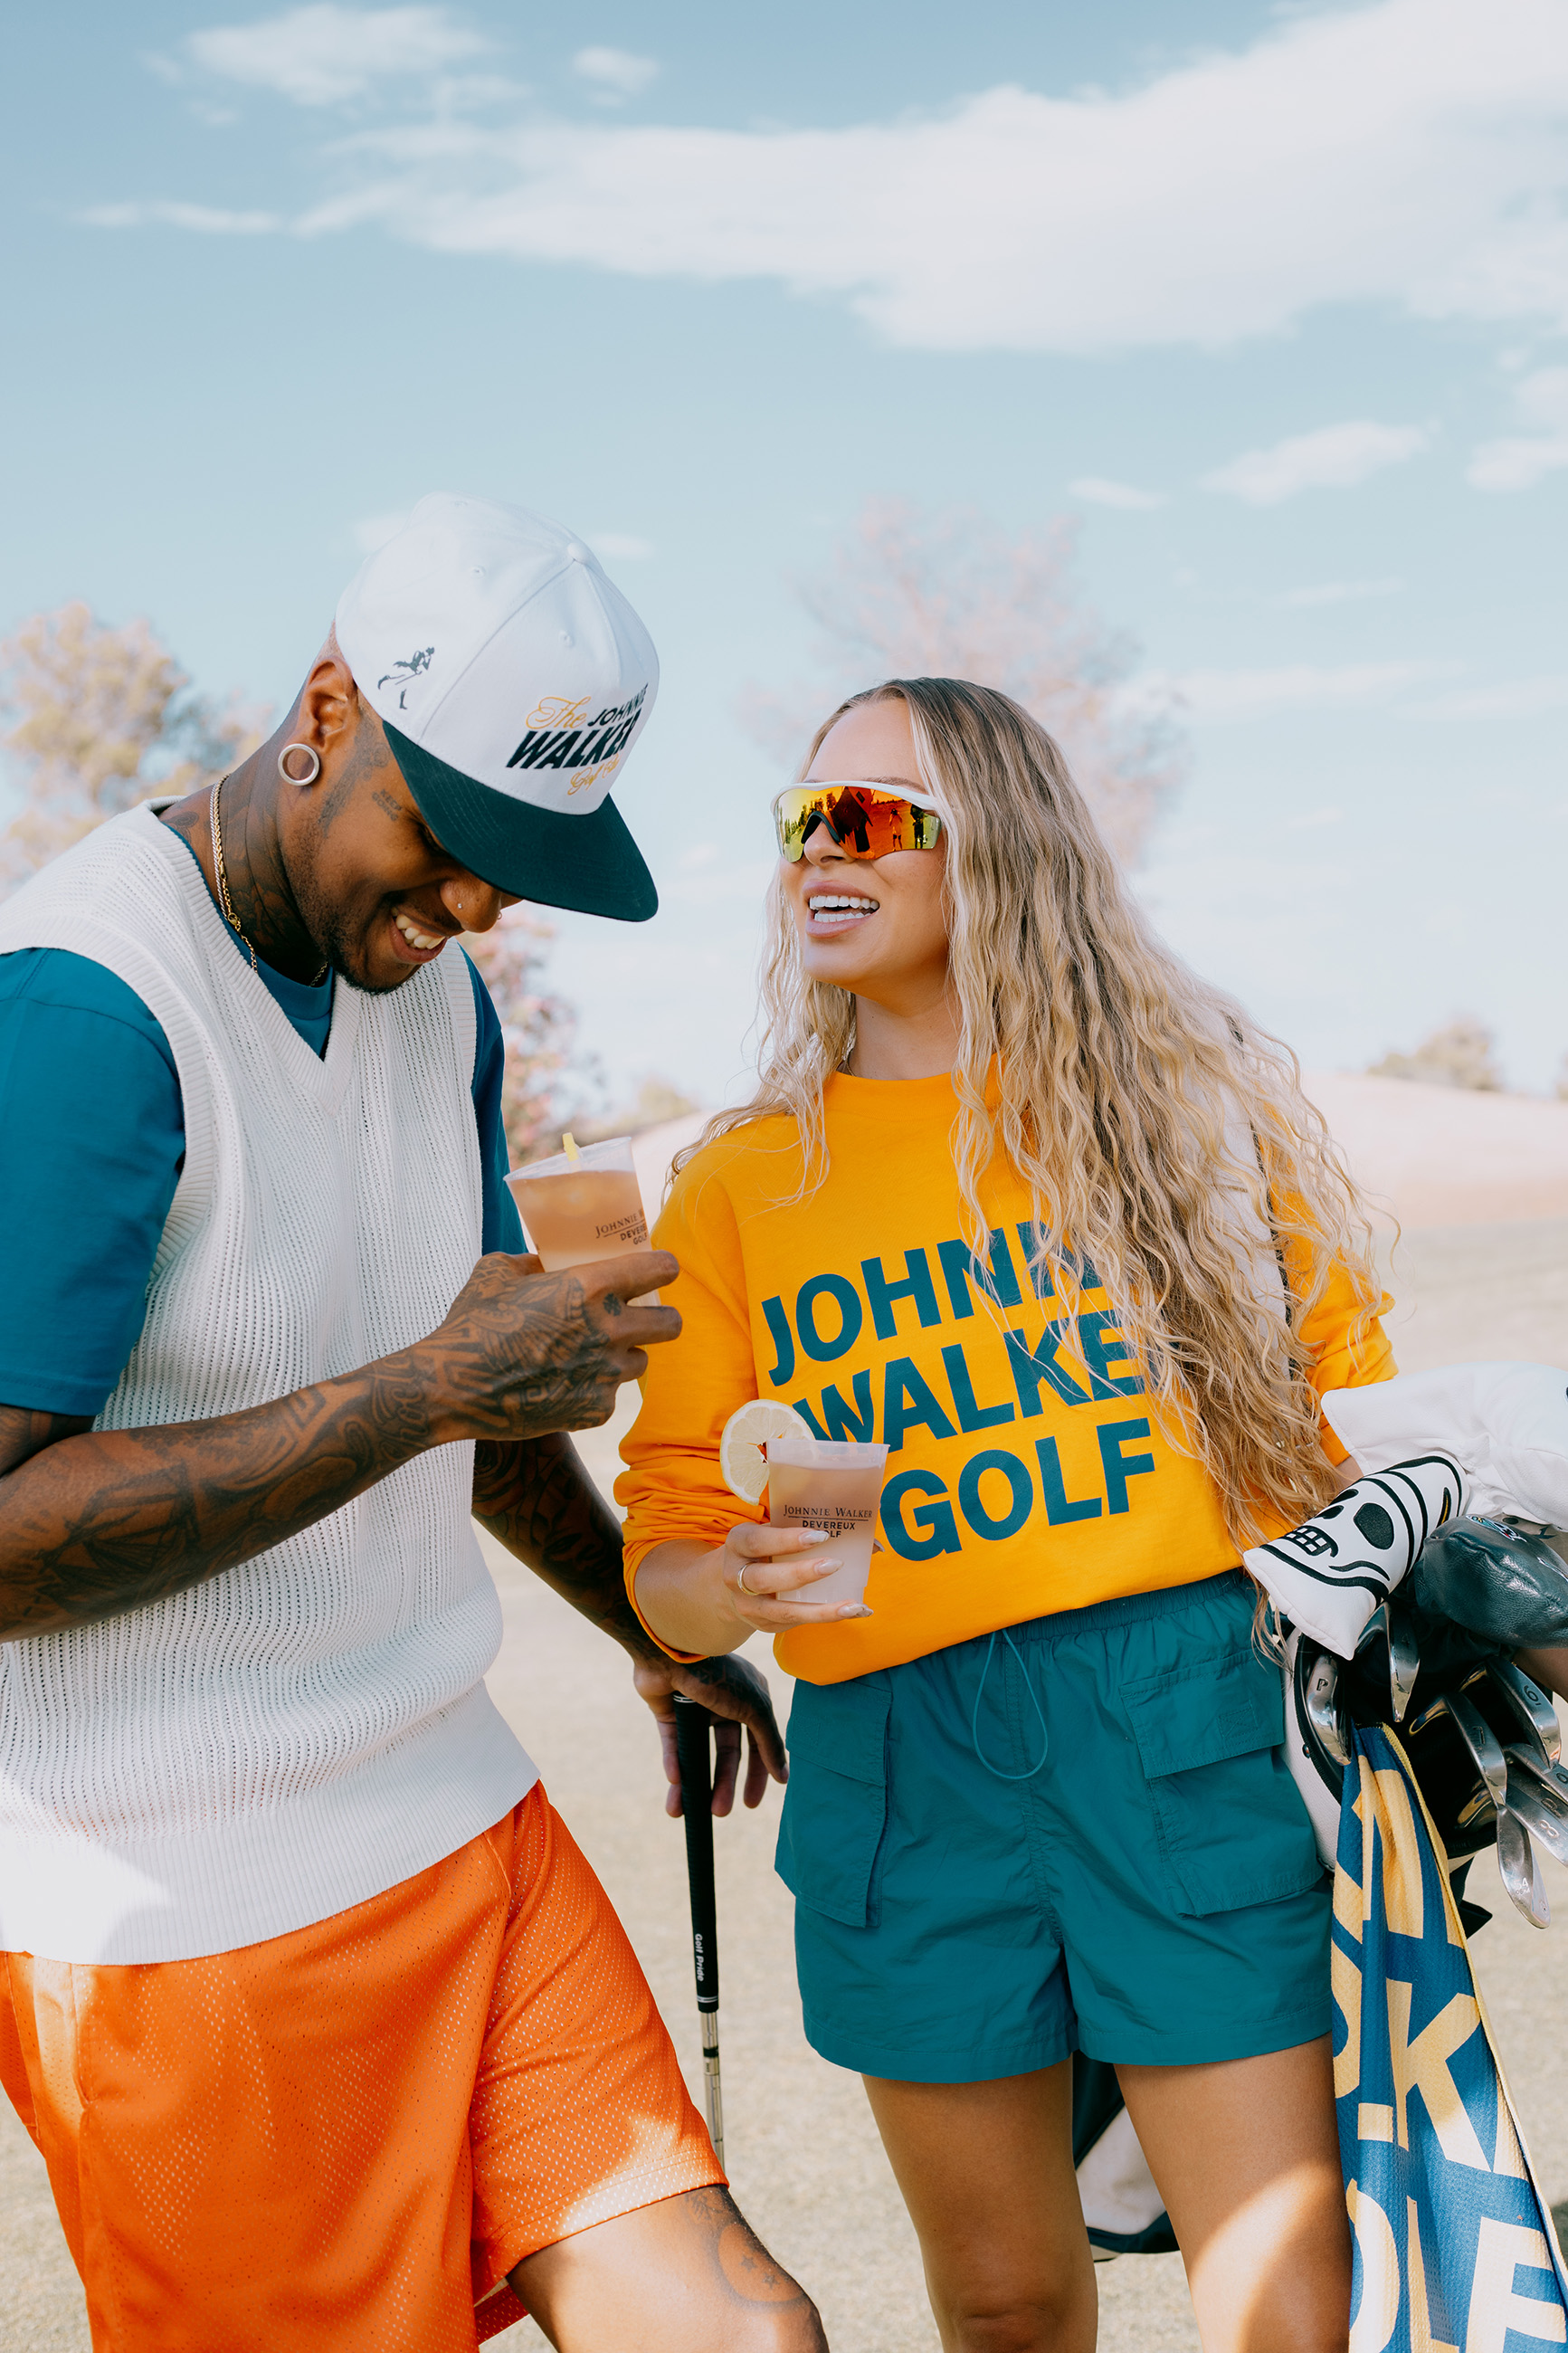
column 502, row 1228
column 94, row 1141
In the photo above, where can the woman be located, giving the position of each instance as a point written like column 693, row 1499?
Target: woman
column 1022, row 1197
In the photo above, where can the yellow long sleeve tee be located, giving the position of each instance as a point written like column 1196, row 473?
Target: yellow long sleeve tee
column 1026, row 1472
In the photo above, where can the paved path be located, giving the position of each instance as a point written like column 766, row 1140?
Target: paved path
column 806, row 2164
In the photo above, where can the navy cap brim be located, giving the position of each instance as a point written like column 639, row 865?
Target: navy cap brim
column 589, row 863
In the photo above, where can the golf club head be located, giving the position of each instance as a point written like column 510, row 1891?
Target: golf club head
column 1455, row 1742
column 1315, row 1750
column 1485, row 1747
column 1319, row 1671
column 1540, row 1802
column 1516, row 1867
column 1536, row 1715
column 1404, row 1654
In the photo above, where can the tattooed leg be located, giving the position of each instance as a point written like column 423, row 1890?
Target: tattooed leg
column 687, row 2276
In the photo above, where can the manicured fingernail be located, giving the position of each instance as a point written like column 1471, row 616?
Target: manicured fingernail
column 814, row 1536
column 824, row 1564
column 856, row 1609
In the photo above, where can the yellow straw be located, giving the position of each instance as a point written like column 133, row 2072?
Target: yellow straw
column 572, row 1151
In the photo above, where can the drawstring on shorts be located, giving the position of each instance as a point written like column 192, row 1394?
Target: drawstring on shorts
column 1039, row 1711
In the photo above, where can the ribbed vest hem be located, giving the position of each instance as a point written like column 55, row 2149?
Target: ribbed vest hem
column 264, row 1873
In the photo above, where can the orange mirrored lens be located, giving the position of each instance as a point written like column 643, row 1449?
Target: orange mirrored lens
column 861, row 823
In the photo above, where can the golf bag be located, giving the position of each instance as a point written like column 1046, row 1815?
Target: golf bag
column 1403, row 1601
column 1482, row 1743
column 1427, row 1604
column 1436, row 1660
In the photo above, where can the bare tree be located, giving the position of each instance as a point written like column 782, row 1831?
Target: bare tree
column 1462, row 1055
column 908, row 595
column 101, row 718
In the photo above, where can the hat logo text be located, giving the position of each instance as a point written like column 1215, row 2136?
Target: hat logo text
column 555, row 711
column 559, row 737
column 403, row 673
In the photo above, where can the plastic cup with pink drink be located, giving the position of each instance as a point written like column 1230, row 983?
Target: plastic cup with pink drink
column 583, row 1205
column 834, row 1485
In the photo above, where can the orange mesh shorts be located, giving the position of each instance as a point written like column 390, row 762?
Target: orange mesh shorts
column 345, row 2137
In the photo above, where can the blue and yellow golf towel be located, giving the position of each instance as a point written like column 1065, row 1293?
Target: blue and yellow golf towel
column 1455, row 2251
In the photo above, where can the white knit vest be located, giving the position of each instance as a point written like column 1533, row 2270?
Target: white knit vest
column 302, row 1732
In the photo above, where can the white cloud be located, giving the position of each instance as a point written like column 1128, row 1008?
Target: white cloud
column 1518, row 698
column 204, row 220
column 1100, row 492
column 1336, row 457
column 373, row 531
column 1519, row 463
column 1339, row 592
column 323, row 54
column 1222, row 697
column 615, row 73
column 1407, row 154
column 1230, row 695
column 620, row 546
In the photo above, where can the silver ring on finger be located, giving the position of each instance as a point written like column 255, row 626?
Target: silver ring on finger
column 741, row 1584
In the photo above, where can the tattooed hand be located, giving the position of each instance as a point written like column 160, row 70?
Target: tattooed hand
column 94, row 1521
column 523, row 1353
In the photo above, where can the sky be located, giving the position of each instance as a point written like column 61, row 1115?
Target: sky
column 1277, row 308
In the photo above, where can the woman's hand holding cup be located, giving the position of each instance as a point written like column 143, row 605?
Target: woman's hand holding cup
column 766, row 1575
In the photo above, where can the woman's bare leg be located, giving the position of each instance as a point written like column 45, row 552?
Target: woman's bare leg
column 1247, row 2160
column 986, row 2173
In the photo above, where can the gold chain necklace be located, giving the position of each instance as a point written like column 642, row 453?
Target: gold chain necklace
column 224, row 899
column 222, row 874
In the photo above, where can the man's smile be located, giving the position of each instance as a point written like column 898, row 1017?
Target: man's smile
column 412, row 940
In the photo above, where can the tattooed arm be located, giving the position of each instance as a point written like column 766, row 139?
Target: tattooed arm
column 93, row 1522
column 539, row 1502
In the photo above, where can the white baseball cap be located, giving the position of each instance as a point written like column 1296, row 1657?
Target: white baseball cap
column 512, row 678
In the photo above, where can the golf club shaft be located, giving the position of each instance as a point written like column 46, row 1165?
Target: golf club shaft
column 712, row 2089
column 692, row 1748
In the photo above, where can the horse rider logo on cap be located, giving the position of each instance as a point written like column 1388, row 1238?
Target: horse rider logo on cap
column 408, row 672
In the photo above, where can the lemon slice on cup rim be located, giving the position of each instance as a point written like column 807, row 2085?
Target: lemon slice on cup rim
column 746, row 1433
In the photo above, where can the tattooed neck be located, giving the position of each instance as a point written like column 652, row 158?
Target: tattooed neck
column 259, row 891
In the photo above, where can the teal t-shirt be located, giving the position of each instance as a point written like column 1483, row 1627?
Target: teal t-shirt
column 94, row 1140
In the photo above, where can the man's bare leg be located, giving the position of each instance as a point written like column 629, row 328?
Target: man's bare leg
column 686, row 2276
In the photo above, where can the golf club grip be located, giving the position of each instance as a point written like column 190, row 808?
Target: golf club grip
column 691, row 1744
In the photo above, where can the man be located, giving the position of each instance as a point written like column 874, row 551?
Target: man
column 322, row 2024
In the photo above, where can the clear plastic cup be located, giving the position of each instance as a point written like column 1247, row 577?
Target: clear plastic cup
column 578, row 1211
column 835, row 1485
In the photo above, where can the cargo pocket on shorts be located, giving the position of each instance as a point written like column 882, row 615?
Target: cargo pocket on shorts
column 836, row 1800
column 1231, row 1827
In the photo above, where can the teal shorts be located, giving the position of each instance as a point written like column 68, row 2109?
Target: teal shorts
column 1151, row 1893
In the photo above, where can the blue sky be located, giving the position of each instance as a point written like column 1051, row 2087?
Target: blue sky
column 1277, row 308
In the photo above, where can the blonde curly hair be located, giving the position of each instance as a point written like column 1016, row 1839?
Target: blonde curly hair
column 1165, row 1139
